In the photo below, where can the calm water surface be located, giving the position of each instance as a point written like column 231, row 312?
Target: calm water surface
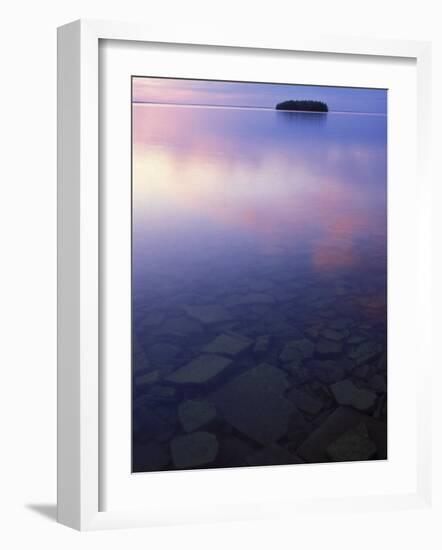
column 259, row 250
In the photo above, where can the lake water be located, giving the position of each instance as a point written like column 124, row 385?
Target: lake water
column 259, row 287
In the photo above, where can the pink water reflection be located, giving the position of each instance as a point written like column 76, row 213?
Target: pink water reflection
column 315, row 184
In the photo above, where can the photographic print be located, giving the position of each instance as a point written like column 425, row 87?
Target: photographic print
column 259, row 274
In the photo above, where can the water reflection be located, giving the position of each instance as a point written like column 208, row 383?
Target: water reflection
column 255, row 226
column 294, row 117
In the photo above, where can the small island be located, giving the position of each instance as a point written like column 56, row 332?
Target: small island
column 303, row 105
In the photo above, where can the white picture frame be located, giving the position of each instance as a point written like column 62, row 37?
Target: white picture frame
column 80, row 265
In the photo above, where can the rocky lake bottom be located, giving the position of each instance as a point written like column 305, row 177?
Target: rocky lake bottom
column 268, row 363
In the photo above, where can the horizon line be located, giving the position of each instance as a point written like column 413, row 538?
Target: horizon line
column 251, row 108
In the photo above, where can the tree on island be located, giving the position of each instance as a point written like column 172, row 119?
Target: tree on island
column 303, row 105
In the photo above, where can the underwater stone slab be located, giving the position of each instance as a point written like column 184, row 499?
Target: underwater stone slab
column 295, row 367
column 327, row 313
column 152, row 319
column 272, row 455
column 262, row 344
column 295, row 349
column 163, row 352
column 363, row 372
column 141, row 362
column 249, row 299
column 365, row 352
column 232, row 451
column 195, row 414
column 357, row 338
column 177, row 326
column 160, row 393
column 254, row 403
column 196, row 449
column 150, row 457
column 208, row 314
column 382, row 363
column 314, row 448
column 291, row 355
column 159, row 424
column 298, row 429
column 313, row 331
column 327, row 371
column 355, row 444
column 335, row 335
column 346, row 393
column 200, row 370
column 328, row 348
column 260, row 309
column 228, row 344
column 304, row 401
column 339, row 324
column 284, row 330
column 378, row 383
column 147, row 379
column 381, row 408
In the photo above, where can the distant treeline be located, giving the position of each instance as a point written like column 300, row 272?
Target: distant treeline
column 303, row 105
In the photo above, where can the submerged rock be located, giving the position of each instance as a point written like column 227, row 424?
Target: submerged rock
column 249, row 299
column 357, row 338
column 346, row 393
column 335, row 335
column 363, row 371
column 295, row 368
column 255, row 405
column 283, row 330
column 158, row 424
column 355, row 444
column 141, row 363
column 208, row 314
column 232, row 451
column 195, row 413
column 298, row 430
column 313, row 331
column 343, row 419
column 305, row 402
column 378, row 383
column 150, row 457
column 342, row 323
column 295, row 349
column 228, row 344
column 152, row 319
column 200, row 370
column 177, row 326
column 365, row 352
column 192, row 450
column 327, row 371
column 159, row 393
column 262, row 344
column 147, row 379
column 272, row 455
column 382, row 363
column 327, row 313
column 328, row 348
column 163, row 352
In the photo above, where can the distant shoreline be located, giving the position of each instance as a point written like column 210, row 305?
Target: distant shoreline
column 304, row 105
column 243, row 107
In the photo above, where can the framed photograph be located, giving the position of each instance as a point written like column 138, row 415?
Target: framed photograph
column 243, row 276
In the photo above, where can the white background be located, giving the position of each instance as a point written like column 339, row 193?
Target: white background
column 28, row 248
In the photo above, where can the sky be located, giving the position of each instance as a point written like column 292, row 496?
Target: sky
column 250, row 94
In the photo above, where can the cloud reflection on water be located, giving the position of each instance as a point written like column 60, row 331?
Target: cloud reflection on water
column 311, row 182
